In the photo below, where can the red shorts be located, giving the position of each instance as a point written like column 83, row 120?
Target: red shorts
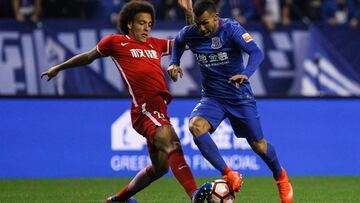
column 148, row 116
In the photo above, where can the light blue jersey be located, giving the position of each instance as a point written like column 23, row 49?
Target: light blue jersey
column 220, row 58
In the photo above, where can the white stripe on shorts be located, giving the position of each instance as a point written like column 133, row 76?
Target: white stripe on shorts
column 144, row 111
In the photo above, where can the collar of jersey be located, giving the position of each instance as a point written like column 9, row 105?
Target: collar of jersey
column 135, row 40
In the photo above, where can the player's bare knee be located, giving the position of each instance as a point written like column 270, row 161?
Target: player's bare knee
column 260, row 147
column 176, row 145
column 173, row 146
column 174, row 142
column 195, row 129
column 166, row 139
column 198, row 126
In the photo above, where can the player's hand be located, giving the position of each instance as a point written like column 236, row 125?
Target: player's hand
column 174, row 71
column 34, row 18
column 238, row 79
column 186, row 5
column 52, row 72
column 20, row 17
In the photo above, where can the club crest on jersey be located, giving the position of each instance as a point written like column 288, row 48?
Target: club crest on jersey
column 216, row 43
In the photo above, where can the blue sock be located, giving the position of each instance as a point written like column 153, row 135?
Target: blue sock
column 210, row 151
column 272, row 161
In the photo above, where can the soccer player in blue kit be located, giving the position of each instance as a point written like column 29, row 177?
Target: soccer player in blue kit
column 218, row 44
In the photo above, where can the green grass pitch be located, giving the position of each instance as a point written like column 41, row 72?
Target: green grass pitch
column 334, row 189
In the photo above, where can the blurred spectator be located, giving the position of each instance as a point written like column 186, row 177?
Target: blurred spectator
column 312, row 9
column 286, row 6
column 114, row 6
column 245, row 11
column 358, row 10
column 299, row 10
column 85, row 9
column 169, row 10
column 5, row 9
column 336, row 12
column 27, row 9
column 273, row 10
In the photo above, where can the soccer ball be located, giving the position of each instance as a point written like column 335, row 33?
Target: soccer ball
column 221, row 192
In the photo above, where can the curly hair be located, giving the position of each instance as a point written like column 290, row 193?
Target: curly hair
column 130, row 9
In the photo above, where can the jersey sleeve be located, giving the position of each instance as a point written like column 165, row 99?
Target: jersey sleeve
column 243, row 39
column 178, row 47
column 164, row 45
column 105, row 46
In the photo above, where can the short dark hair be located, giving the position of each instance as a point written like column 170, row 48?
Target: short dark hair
column 129, row 11
column 201, row 6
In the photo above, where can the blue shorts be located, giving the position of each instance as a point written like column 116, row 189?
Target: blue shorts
column 242, row 114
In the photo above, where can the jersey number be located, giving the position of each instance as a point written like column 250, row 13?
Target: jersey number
column 159, row 115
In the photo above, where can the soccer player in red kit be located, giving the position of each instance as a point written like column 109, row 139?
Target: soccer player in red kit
column 137, row 57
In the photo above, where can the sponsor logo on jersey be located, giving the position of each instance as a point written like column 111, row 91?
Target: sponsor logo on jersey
column 247, row 38
column 216, row 59
column 139, row 53
column 216, row 43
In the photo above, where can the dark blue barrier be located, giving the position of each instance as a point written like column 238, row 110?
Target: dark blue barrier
column 298, row 60
column 27, row 50
column 94, row 138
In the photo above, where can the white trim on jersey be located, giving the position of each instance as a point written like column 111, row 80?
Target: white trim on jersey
column 98, row 50
column 127, row 36
column 144, row 111
column 126, row 80
column 168, row 47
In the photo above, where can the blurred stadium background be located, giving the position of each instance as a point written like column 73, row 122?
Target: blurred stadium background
column 308, row 90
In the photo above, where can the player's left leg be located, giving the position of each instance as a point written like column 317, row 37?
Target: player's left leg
column 267, row 152
column 143, row 178
column 246, row 123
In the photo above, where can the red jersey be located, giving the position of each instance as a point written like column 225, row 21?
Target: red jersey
column 139, row 64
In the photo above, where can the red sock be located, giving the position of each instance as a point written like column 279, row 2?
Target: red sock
column 182, row 171
column 139, row 182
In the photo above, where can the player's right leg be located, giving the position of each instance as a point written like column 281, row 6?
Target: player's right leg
column 205, row 118
column 245, row 121
column 167, row 141
column 267, row 152
column 199, row 128
column 284, row 187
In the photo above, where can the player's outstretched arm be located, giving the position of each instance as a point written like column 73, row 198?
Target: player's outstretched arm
column 174, row 71
column 77, row 60
column 186, row 5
